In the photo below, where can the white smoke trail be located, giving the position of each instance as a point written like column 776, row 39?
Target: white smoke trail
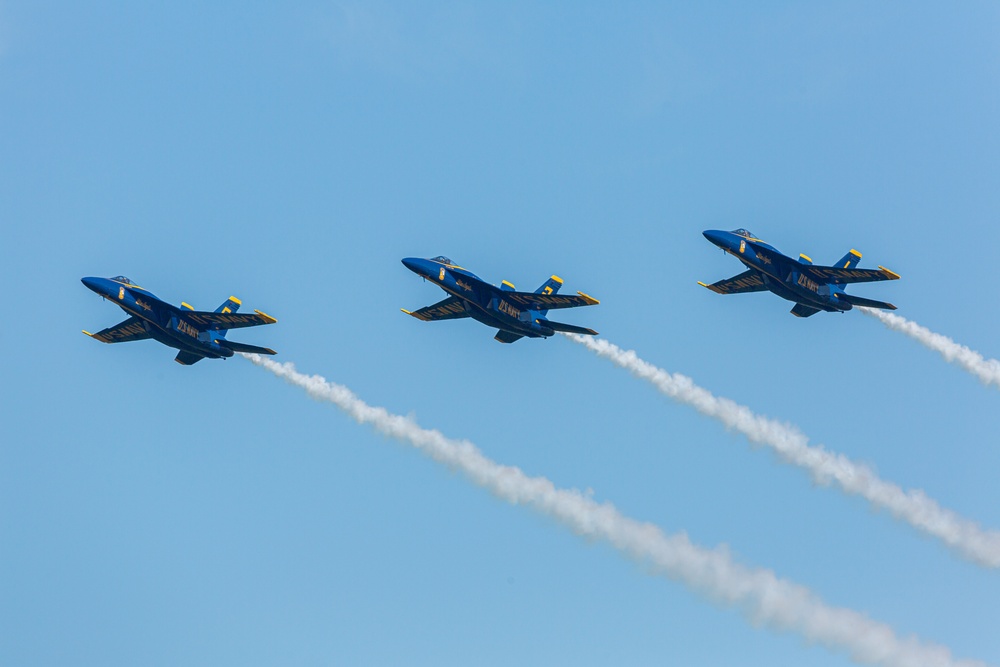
column 987, row 370
column 759, row 594
column 913, row 506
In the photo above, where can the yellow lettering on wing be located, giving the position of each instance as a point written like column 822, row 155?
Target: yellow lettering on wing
column 134, row 329
column 744, row 283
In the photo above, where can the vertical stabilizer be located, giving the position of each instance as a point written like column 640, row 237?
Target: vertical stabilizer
column 230, row 305
column 550, row 286
column 849, row 261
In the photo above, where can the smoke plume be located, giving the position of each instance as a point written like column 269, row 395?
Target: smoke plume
column 827, row 468
column 759, row 594
column 987, row 370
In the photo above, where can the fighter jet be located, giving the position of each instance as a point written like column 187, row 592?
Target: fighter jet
column 812, row 288
column 197, row 334
column 515, row 314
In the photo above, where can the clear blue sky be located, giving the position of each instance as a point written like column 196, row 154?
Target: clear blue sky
column 157, row 514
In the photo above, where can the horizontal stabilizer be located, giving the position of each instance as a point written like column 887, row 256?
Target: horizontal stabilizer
column 866, row 303
column 802, row 310
column 188, row 358
column 568, row 328
column 507, row 337
column 243, row 347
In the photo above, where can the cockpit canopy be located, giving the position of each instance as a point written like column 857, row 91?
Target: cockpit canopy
column 123, row 279
column 442, row 260
column 745, row 233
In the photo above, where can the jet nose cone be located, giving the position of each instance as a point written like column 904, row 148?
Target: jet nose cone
column 92, row 283
column 419, row 266
column 713, row 235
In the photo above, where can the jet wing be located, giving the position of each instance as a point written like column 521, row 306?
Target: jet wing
column 532, row 301
column 123, row 332
column 748, row 281
column 451, row 308
column 833, row 274
column 207, row 320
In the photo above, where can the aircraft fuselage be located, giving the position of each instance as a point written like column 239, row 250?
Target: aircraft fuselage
column 162, row 321
column 781, row 273
column 482, row 302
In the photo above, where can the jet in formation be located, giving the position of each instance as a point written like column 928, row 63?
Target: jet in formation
column 515, row 314
column 813, row 288
column 197, row 334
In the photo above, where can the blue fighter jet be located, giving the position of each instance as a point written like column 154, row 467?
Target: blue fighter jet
column 812, row 288
column 515, row 314
column 197, row 334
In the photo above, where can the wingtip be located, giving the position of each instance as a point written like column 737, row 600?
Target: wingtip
column 713, row 288
column 892, row 274
column 94, row 336
column 591, row 301
column 267, row 318
column 416, row 315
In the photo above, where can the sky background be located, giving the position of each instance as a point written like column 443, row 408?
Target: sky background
column 291, row 155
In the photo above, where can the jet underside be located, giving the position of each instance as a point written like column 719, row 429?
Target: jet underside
column 197, row 335
column 812, row 288
column 515, row 314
